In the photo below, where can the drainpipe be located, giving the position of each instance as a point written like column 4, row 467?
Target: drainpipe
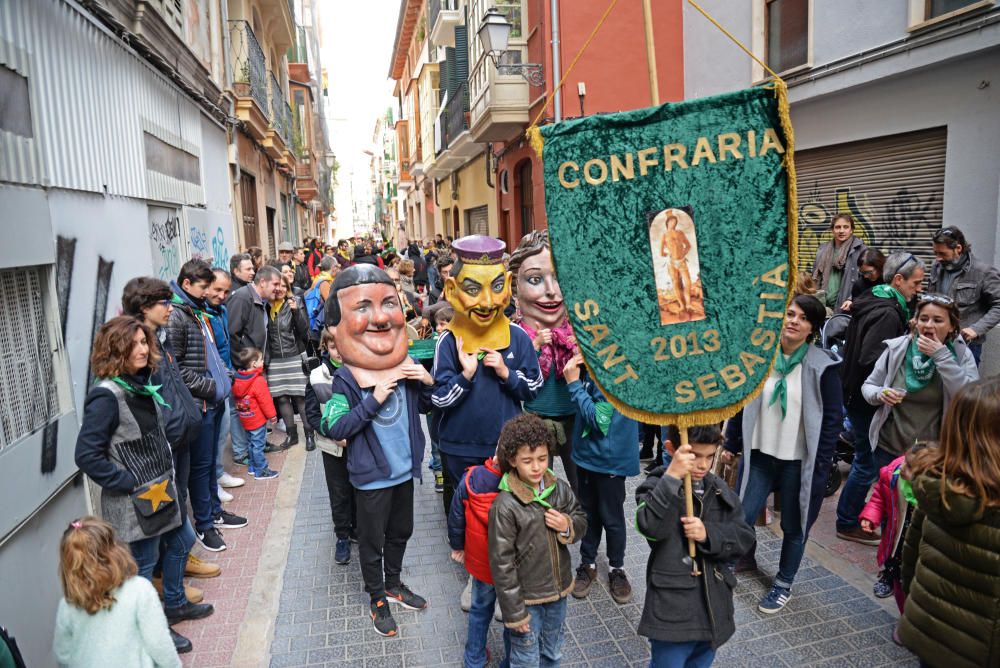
column 556, row 66
column 233, row 130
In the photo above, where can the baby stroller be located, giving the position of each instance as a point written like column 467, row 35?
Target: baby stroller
column 832, row 338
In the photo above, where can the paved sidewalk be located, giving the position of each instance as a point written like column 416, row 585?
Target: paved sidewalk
column 323, row 614
column 215, row 638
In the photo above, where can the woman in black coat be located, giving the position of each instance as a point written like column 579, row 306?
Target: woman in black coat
column 287, row 338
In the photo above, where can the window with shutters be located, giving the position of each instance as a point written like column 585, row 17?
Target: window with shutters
column 29, row 344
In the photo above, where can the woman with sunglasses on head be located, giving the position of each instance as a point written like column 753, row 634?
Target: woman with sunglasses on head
column 916, row 377
column 787, row 436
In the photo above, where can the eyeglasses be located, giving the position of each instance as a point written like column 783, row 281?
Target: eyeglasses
column 869, row 273
column 912, row 258
column 948, row 232
column 942, row 300
column 165, row 302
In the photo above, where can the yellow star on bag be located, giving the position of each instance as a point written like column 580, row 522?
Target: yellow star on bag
column 156, row 494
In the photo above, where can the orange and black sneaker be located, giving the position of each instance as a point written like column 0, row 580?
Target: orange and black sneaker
column 401, row 594
column 382, row 619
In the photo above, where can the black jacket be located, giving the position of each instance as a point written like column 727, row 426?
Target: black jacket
column 874, row 320
column 186, row 338
column 247, row 321
column 302, row 279
column 680, row 607
column 287, row 333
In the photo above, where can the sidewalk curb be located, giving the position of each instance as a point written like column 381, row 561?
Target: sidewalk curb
column 257, row 630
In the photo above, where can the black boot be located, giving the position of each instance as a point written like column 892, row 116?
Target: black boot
column 181, row 644
column 310, row 441
column 188, row 611
column 292, row 438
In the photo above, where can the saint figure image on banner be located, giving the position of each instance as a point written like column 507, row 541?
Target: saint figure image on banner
column 673, row 242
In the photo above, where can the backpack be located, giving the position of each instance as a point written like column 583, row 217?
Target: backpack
column 183, row 420
column 316, row 308
column 10, row 655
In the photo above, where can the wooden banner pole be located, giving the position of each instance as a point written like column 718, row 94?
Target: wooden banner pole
column 689, row 502
column 654, row 82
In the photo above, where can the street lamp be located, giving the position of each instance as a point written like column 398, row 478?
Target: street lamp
column 494, row 33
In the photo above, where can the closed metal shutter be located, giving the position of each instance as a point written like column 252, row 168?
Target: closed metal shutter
column 477, row 221
column 893, row 186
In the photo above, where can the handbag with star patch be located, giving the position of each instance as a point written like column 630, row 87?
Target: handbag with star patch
column 155, row 504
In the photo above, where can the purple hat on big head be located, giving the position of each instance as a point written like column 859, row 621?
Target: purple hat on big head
column 479, row 249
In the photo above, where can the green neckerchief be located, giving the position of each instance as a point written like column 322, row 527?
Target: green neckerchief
column 199, row 313
column 907, row 491
column 536, row 496
column 784, row 366
column 602, row 415
column 886, row 291
column 147, row 390
column 918, row 368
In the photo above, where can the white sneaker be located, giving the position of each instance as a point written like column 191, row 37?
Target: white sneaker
column 226, row 480
column 224, row 496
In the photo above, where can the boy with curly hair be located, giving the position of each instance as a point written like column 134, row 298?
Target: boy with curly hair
column 532, row 520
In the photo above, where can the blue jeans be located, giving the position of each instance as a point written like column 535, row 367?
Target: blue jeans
column 204, row 486
column 484, row 598
column 237, row 433
column 256, row 461
column 177, row 543
column 864, row 469
column 542, row 645
column 224, row 428
column 432, row 430
column 768, row 474
column 976, row 348
column 680, row 654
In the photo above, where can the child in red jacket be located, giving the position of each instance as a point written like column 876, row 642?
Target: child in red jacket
column 467, row 522
column 891, row 502
column 256, row 408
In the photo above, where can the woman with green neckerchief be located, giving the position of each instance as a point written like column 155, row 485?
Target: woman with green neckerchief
column 122, row 446
column 916, row 377
column 787, row 436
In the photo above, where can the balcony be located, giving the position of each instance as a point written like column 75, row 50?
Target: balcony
column 277, row 140
column 500, row 105
column 403, row 141
column 249, row 82
column 444, row 16
column 456, row 125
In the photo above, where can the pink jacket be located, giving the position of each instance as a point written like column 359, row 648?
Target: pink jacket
column 886, row 503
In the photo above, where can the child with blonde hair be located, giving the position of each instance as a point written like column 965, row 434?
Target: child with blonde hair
column 108, row 616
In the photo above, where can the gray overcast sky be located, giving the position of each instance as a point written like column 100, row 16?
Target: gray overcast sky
column 357, row 45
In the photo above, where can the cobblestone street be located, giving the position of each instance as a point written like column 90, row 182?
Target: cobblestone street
column 323, row 612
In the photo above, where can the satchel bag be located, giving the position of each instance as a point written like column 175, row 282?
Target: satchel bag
column 156, row 506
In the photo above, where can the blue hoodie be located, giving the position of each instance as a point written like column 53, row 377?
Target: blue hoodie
column 615, row 452
column 220, row 327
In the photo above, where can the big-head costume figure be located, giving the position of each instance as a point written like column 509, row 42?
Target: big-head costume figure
column 484, row 366
column 542, row 314
column 376, row 400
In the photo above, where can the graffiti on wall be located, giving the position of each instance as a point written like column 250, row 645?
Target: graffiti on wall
column 165, row 240
column 899, row 220
column 199, row 244
column 220, row 252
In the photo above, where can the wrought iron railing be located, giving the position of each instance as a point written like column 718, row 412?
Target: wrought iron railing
column 249, row 68
column 288, row 125
column 281, row 113
column 456, row 115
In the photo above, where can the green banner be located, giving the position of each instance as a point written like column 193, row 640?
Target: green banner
column 670, row 231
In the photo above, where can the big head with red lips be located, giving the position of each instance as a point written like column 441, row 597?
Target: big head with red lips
column 536, row 287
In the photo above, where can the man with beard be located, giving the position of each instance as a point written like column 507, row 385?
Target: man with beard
column 973, row 284
column 484, row 366
column 376, row 400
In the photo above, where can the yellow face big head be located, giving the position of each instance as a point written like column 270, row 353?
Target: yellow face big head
column 479, row 293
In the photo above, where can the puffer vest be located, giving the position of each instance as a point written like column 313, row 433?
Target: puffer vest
column 145, row 455
column 477, row 515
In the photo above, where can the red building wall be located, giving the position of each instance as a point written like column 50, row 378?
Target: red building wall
column 613, row 68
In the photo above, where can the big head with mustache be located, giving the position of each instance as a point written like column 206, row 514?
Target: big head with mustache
column 479, row 291
column 370, row 330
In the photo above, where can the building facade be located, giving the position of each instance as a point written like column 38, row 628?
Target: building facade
column 125, row 133
column 896, row 116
